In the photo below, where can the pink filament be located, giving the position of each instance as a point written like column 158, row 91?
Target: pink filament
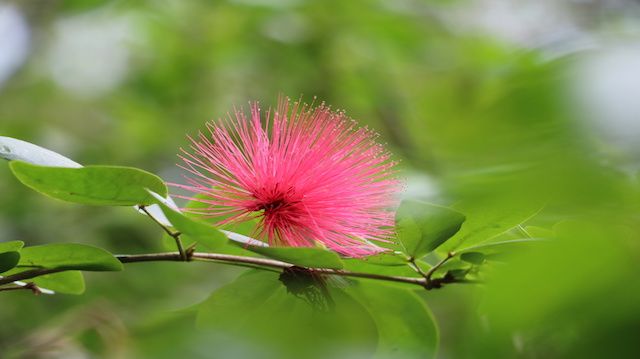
column 309, row 174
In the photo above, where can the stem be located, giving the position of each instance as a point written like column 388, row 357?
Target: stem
column 426, row 282
column 431, row 283
column 174, row 235
column 27, row 275
column 262, row 263
column 416, row 267
column 29, row 286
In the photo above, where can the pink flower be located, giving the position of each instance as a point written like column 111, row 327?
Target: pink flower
column 308, row 174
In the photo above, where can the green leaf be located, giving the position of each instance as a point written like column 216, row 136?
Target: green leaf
column 8, row 260
column 69, row 256
column 386, row 259
column 359, row 265
column 473, row 257
column 11, row 246
column 257, row 315
column 454, row 264
column 301, row 256
column 539, row 232
column 195, row 230
column 423, row 227
column 246, row 227
column 486, row 221
column 458, row 273
column 501, row 246
column 406, row 327
column 68, row 282
column 9, row 254
column 94, row 185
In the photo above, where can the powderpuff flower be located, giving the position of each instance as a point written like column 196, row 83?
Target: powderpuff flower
column 309, row 175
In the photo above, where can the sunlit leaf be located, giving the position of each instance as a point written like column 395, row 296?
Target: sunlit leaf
column 94, row 185
column 17, row 150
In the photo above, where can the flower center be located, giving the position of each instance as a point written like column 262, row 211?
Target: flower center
column 273, row 205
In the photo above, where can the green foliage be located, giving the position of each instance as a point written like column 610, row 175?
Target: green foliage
column 9, row 254
column 68, row 256
column 473, row 257
column 488, row 220
column 94, row 185
column 406, row 328
column 11, row 246
column 263, row 316
column 194, row 230
column 502, row 247
column 423, row 227
column 559, row 293
column 386, row 259
column 475, row 120
column 67, row 282
column 8, row 260
column 284, row 318
column 246, row 227
column 364, row 266
column 305, row 257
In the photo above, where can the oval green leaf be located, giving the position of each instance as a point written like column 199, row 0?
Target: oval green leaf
column 93, row 185
column 69, row 256
column 68, row 282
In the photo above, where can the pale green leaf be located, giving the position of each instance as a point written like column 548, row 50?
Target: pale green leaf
column 406, row 327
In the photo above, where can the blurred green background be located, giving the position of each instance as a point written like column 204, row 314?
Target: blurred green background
column 502, row 104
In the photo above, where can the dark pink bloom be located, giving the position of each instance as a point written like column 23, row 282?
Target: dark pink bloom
column 309, row 174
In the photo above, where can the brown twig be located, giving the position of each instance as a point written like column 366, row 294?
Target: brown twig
column 263, row 263
column 431, row 283
column 29, row 286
